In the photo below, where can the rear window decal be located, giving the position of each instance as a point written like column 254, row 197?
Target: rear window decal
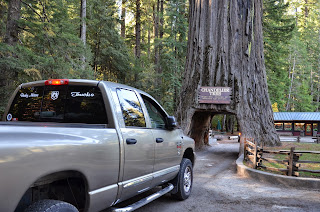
column 78, row 94
column 9, row 117
column 54, row 95
column 32, row 95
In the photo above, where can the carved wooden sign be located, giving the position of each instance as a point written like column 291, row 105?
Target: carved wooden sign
column 214, row 95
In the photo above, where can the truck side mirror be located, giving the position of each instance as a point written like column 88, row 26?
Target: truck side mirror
column 171, row 122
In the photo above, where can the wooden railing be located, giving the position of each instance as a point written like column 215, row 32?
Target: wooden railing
column 255, row 156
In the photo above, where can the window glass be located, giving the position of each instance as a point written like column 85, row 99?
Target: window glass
column 157, row 119
column 288, row 126
column 26, row 105
column 84, row 104
column 315, row 127
column 53, row 103
column 299, row 126
column 60, row 103
column 131, row 109
column 279, row 126
column 308, row 128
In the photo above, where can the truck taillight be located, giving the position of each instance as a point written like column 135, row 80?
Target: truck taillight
column 57, row 82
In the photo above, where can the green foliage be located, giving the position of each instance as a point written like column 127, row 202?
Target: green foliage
column 292, row 55
column 111, row 58
column 277, row 29
column 3, row 18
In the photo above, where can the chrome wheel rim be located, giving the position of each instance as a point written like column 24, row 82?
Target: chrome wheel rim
column 187, row 179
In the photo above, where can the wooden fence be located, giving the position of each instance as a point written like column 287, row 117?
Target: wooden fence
column 255, row 156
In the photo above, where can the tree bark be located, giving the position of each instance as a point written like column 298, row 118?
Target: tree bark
column 12, row 29
column 318, row 86
column 138, row 30
column 123, row 19
column 83, row 28
column 291, row 84
column 138, row 35
column 11, row 38
column 225, row 48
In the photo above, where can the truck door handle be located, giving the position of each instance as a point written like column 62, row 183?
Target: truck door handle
column 159, row 140
column 131, row 141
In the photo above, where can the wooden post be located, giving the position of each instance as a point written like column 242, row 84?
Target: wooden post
column 245, row 149
column 298, row 139
column 290, row 165
column 255, row 155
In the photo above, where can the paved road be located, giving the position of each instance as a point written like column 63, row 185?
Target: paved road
column 218, row 188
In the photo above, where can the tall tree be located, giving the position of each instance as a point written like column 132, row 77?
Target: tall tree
column 12, row 28
column 8, row 75
column 225, row 48
column 138, row 35
column 83, row 27
column 278, row 29
column 123, row 18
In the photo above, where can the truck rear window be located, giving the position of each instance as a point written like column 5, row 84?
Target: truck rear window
column 61, row 103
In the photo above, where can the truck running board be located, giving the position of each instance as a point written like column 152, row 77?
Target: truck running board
column 144, row 201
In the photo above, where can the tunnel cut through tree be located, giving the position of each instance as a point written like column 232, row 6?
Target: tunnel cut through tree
column 225, row 49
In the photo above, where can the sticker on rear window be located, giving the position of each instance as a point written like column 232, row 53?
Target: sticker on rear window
column 78, row 94
column 9, row 117
column 25, row 95
column 54, row 95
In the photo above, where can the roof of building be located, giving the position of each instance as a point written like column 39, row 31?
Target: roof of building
column 296, row 116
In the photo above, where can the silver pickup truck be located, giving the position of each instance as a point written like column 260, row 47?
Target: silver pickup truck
column 85, row 145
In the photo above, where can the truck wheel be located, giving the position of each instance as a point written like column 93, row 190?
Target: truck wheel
column 49, row 205
column 185, row 179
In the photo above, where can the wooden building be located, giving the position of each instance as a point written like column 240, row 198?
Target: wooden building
column 297, row 123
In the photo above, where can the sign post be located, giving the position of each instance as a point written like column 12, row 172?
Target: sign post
column 214, row 95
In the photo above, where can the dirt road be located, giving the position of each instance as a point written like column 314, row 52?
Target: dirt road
column 218, row 188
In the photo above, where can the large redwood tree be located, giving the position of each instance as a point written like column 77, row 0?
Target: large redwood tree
column 225, row 49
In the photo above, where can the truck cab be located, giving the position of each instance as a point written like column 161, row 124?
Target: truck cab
column 103, row 141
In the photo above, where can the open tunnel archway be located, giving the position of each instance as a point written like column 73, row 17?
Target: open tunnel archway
column 201, row 123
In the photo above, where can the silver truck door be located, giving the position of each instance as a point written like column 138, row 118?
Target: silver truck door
column 138, row 146
column 168, row 144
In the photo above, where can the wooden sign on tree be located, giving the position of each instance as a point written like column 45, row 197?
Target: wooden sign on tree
column 214, row 95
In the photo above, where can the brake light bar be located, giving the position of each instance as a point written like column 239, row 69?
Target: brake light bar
column 57, row 82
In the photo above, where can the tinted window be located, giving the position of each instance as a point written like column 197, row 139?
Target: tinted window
column 53, row 103
column 131, row 108
column 85, row 105
column 156, row 116
column 62, row 103
column 26, row 105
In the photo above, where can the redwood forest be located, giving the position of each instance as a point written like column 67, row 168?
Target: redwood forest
column 267, row 51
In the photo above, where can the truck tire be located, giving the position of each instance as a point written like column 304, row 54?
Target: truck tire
column 185, row 180
column 49, row 205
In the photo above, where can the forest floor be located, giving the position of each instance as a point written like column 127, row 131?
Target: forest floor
column 217, row 187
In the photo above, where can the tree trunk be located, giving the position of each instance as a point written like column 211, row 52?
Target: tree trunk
column 123, row 19
column 291, row 84
column 83, row 28
column 138, row 30
column 12, row 29
column 318, row 86
column 161, row 32
column 138, row 35
column 156, row 40
column 7, row 76
column 225, row 48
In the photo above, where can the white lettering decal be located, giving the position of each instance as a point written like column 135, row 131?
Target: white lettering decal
column 25, row 95
column 54, row 95
column 9, row 117
column 78, row 94
column 215, row 91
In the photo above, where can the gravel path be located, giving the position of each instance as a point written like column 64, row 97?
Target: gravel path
column 217, row 187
